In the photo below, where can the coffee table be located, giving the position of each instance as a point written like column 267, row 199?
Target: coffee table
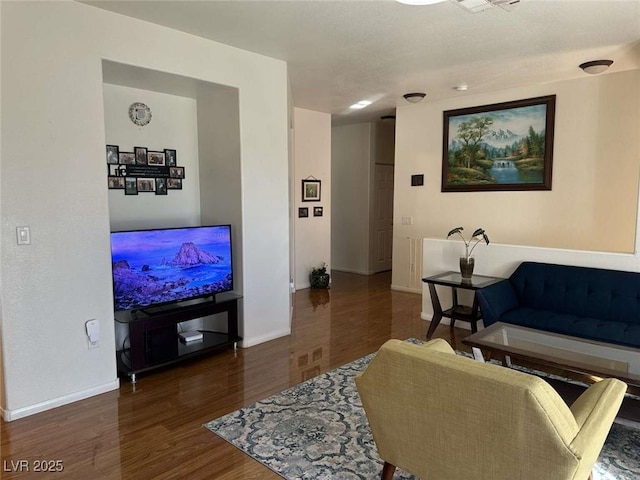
column 568, row 353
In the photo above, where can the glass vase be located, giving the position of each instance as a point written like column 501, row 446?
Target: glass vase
column 466, row 267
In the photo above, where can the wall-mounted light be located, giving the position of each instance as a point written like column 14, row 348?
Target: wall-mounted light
column 414, row 97
column 596, row 66
column 388, row 118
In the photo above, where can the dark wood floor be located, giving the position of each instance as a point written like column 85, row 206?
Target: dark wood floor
column 154, row 429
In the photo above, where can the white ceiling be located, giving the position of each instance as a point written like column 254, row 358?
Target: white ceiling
column 341, row 52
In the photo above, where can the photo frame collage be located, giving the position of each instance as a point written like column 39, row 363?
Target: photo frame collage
column 310, row 193
column 143, row 170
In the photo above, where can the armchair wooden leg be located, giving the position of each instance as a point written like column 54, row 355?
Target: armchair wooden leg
column 387, row 471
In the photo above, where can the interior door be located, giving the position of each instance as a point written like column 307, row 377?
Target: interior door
column 383, row 214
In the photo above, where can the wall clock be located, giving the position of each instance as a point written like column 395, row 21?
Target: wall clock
column 140, row 114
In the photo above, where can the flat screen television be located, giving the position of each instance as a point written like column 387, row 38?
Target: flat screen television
column 162, row 266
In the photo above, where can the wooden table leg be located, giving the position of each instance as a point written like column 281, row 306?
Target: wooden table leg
column 474, row 314
column 454, row 298
column 387, row 471
column 437, row 310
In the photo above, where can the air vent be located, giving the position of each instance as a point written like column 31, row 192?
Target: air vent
column 475, row 6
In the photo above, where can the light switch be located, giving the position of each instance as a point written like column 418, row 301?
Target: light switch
column 24, row 235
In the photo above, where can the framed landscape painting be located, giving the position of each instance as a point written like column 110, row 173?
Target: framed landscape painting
column 504, row 146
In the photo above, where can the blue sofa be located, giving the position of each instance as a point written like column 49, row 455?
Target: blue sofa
column 591, row 303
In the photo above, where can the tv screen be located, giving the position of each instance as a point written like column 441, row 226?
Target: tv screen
column 154, row 267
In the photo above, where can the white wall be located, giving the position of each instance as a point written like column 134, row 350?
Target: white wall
column 352, row 158
column 220, row 165
column 3, row 399
column 593, row 202
column 173, row 125
column 312, row 139
column 53, row 179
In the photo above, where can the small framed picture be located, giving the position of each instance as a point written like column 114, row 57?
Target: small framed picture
column 174, row 183
column 176, row 172
column 116, row 183
column 303, row 212
column 117, row 171
column 146, row 184
column 141, row 155
column 112, row 154
column 161, row 186
column 155, row 158
column 170, row 157
column 127, row 158
column 130, row 186
column 317, row 211
column 310, row 190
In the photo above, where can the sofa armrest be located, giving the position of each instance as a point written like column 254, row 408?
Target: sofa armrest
column 495, row 300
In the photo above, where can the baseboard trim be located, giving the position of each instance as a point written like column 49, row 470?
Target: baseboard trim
column 10, row 415
column 401, row 288
column 350, row 270
column 250, row 342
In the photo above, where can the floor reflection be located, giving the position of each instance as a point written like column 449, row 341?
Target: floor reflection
column 319, row 298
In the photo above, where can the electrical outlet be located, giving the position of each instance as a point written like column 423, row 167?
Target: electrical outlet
column 93, row 333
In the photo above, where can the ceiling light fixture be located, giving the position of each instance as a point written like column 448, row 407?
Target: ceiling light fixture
column 461, row 88
column 596, row 66
column 420, row 2
column 361, row 104
column 414, row 97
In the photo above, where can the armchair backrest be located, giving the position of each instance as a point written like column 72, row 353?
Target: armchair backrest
column 443, row 416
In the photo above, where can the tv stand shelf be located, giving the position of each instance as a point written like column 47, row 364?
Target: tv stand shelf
column 154, row 341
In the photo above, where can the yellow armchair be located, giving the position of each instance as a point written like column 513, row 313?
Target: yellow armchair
column 442, row 416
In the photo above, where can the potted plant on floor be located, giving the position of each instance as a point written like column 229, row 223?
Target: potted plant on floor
column 319, row 278
column 467, row 262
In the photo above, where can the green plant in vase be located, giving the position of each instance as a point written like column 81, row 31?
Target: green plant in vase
column 319, row 278
column 467, row 262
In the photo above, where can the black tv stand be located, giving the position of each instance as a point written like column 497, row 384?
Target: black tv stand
column 153, row 334
column 172, row 308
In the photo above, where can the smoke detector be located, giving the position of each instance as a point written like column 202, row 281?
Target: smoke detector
column 475, row 6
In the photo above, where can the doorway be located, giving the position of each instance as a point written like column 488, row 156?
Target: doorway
column 382, row 248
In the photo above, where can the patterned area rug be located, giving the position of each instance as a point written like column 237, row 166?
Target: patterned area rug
column 318, row 430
